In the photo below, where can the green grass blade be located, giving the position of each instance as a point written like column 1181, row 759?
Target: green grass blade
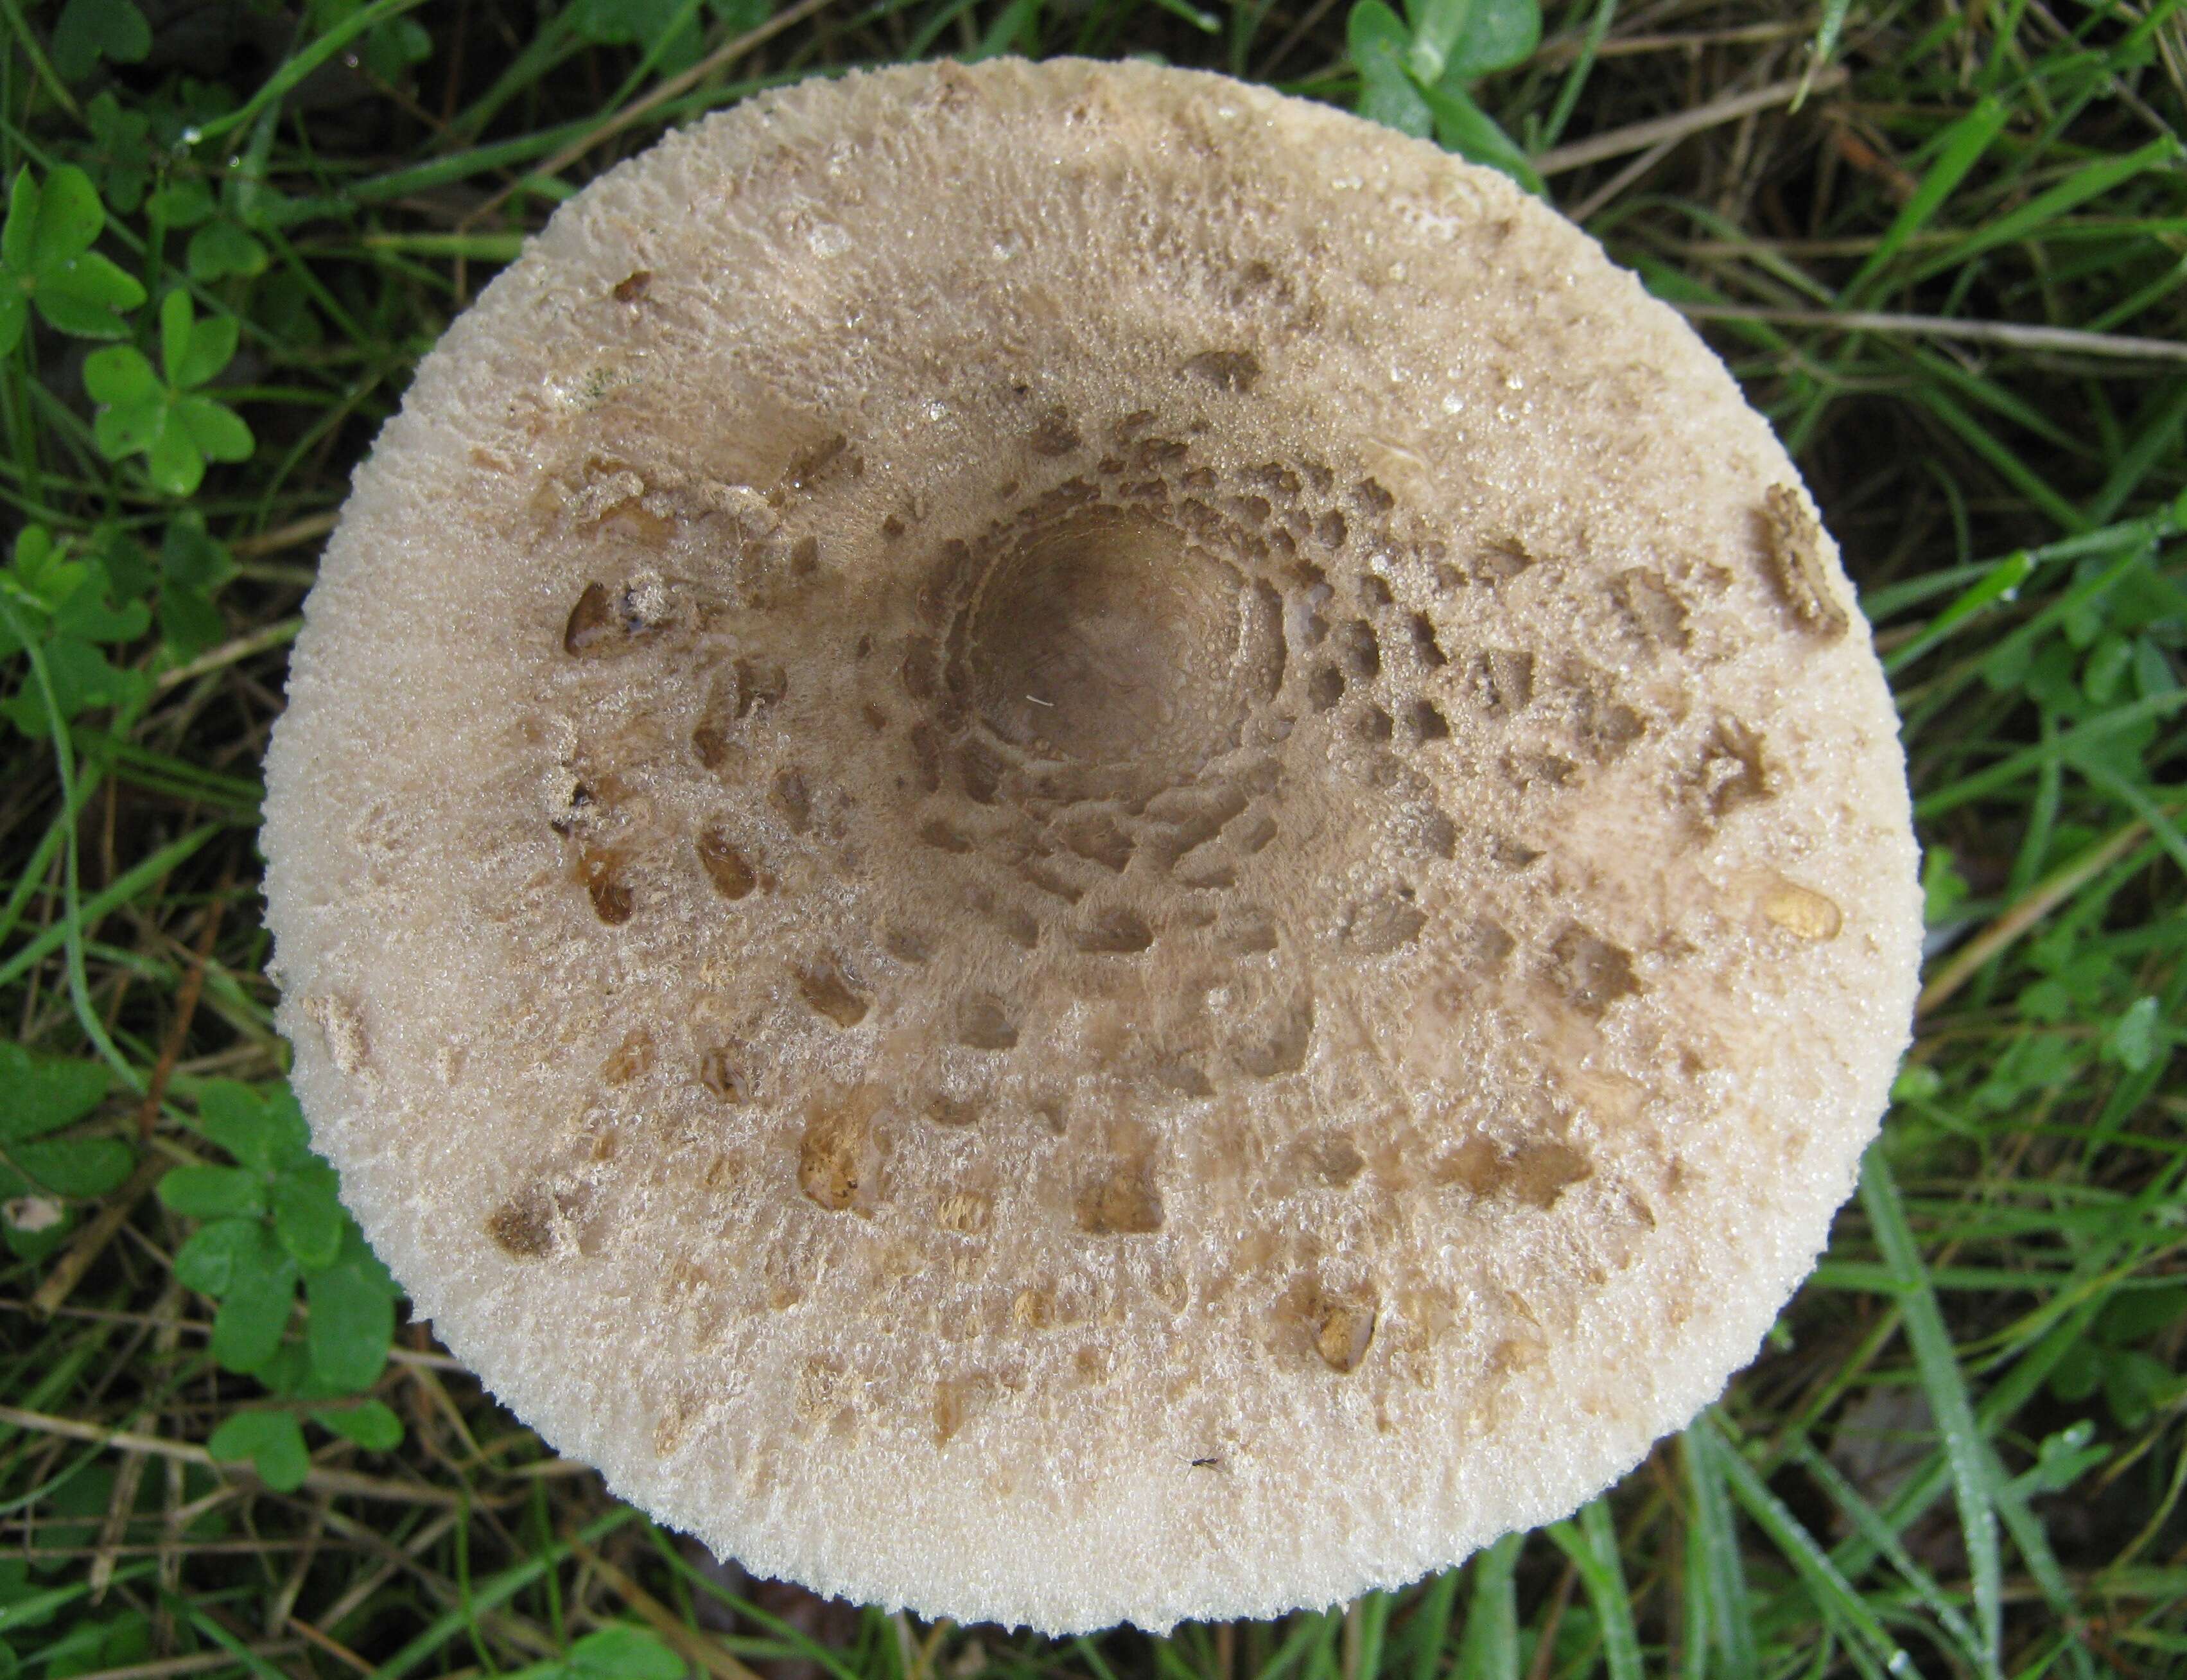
column 496, row 1590
column 1429, row 1625
column 1961, row 147
column 1938, row 1363
column 1489, row 1649
column 1719, row 1612
column 2091, row 181
column 1833, row 1594
column 1590, row 1541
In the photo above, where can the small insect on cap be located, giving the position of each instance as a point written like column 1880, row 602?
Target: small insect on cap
column 1065, row 844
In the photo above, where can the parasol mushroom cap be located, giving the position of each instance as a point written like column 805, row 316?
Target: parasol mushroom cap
column 1066, row 844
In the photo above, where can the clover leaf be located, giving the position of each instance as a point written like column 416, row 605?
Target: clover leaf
column 1379, row 42
column 254, row 1311
column 220, row 244
column 96, row 1644
column 88, row 30
column 39, row 1094
column 2111, row 1359
column 2138, row 1037
column 370, row 1424
column 160, row 414
column 352, row 1323
column 615, row 1652
column 272, row 1441
column 386, row 50
column 663, row 26
column 63, row 607
column 47, row 259
column 272, row 1221
column 191, row 565
column 120, row 153
column 41, row 1174
column 264, row 1131
column 1412, row 77
column 1462, row 40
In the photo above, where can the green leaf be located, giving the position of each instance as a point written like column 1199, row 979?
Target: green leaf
column 32, row 1225
column 255, row 1310
column 70, row 217
column 1942, row 887
column 208, row 1261
column 1499, row 34
column 289, row 1374
column 188, row 620
column 76, row 1167
column 619, row 1652
column 2137, row 1315
column 2135, row 1384
column 1455, row 41
column 188, row 555
column 264, row 1129
column 89, row 314
column 119, row 374
column 2152, row 669
column 352, row 1323
column 2077, row 1374
column 1437, row 26
column 2064, row 1458
column 20, row 232
column 1917, row 1082
column 96, row 281
column 307, row 1214
column 14, row 316
column 220, row 249
column 84, row 615
column 626, row 22
column 217, row 430
column 1378, row 42
column 372, row 1425
column 292, row 1135
column 129, row 428
column 41, row 570
column 212, row 347
column 88, row 30
column 177, row 327
column 2136, row 1041
column 24, row 1603
column 1462, row 127
column 129, row 570
column 181, row 203
column 91, row 1646
column 81, row 680
column 272, row 1441
column 76, row 1652
column 357, row 1254
column 46, row 250
column 213, row 1193
column 121, row 137
column 43, row 1093
column 2106, row 668
column 393, row 48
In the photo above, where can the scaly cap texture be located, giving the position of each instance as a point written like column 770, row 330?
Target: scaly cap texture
column 1068, row 844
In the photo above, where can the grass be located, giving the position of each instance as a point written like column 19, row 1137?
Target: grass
column 1942, row 242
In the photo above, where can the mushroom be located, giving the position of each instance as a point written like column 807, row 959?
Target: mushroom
column 1068, row 844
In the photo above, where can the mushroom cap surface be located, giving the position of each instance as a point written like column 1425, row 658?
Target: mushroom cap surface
column 1066, row 844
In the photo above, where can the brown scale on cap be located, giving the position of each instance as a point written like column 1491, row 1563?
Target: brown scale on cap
column 1102, row 886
